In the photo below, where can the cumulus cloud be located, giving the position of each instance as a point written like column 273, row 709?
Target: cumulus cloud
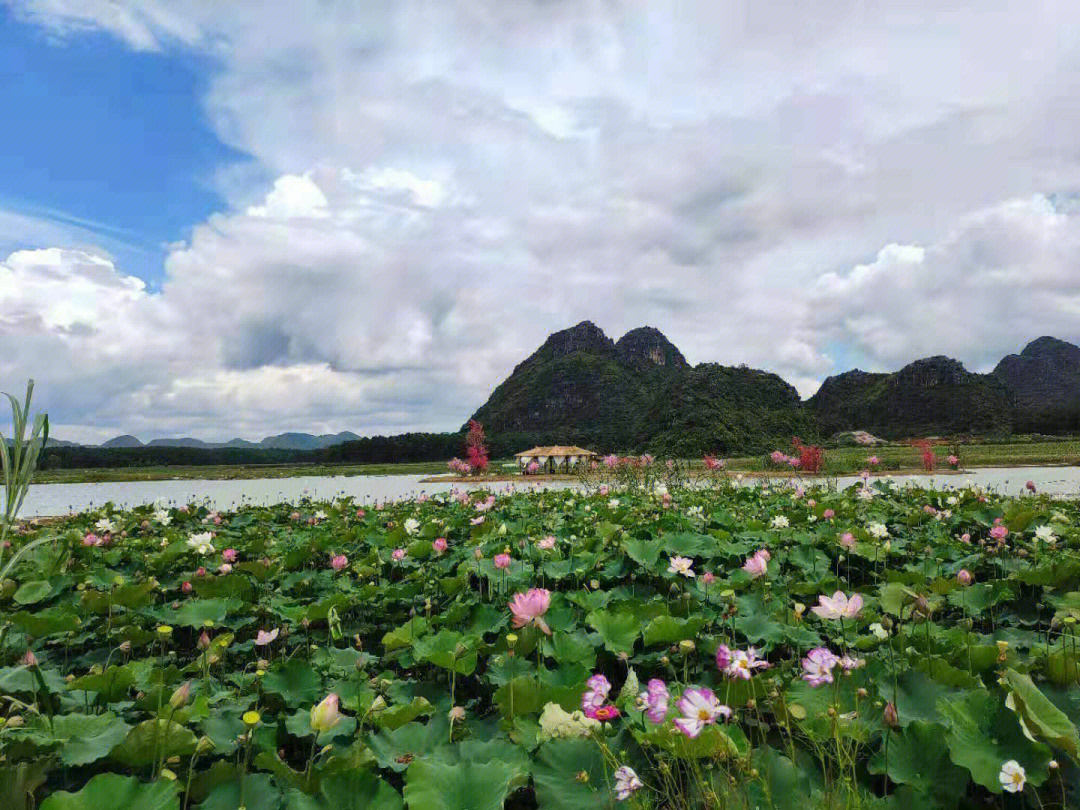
column 452, row 182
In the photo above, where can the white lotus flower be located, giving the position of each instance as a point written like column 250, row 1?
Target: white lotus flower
column 162, row 516
column 105, row 526
column 780, row 522
column 201, row 543
column 878, row 530
column 681, row 565
column 411, row 526
column 1046, row 534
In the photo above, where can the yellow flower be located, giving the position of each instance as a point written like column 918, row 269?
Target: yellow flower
column 251, row 718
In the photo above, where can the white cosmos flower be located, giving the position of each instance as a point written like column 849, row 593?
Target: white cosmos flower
column 681, row 565
column 1012, row 776
column 878, row 530
column 411, row 526
column 201, row 543
column 626, row 783
column 780, row 522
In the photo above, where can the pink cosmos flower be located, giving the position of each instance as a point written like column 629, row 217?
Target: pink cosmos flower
column 953, row 460
column 263, row 637
column 778, row 457
column 838, row 606
column 873, row 461
column 529, row 608
column 398, row 554
column 596, row 695
column 723, row 657
column 743, row 663
column 546, row 543
column 700, row 708
column 848, row 663
column 502, row 561
column 757, row 565
column 229, row 555
column 439, row 544
column 818, row 666
column 338, row 562
column 654, row 701
column 610, row 461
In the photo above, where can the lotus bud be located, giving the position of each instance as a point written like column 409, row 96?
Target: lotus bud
column 204, row 640
column 457, row 714
column 326, row 715
column 180, row 696
column 889, row 715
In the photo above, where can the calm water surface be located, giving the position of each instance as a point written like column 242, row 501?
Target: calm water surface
column 59, row 499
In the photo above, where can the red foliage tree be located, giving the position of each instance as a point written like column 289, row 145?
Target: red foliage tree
column 811, row 456
column 927, row 454
column 476, row 451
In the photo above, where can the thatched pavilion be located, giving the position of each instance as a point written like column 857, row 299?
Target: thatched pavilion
column 557, row 458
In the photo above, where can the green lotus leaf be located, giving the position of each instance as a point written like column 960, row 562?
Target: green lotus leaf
column 617, row 630
column 154, row 738
column 109, row 791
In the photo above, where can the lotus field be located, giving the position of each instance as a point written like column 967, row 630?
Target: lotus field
column 622, row 646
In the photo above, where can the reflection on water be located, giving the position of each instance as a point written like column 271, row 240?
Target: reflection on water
column 58, row 499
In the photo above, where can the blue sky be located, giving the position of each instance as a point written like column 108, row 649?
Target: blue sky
column 101, row 135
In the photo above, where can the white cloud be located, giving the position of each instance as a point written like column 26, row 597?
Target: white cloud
column 455, row 181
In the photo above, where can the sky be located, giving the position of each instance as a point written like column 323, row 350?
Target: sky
column 224, row 220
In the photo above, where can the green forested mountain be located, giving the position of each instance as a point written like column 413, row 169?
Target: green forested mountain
column 640, row 394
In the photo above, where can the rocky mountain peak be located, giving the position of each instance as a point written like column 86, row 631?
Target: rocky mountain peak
column 647, row 347
column 583, row 337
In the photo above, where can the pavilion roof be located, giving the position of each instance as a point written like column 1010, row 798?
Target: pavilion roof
column 556, row 450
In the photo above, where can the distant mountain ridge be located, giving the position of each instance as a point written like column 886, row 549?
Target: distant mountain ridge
column 581, row 387
column 281, row 441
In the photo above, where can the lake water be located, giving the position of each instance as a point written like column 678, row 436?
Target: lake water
column 59, row 499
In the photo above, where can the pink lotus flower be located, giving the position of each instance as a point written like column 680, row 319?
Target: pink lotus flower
column 1030, row 486
column 604, row 489
column 225, row 568
column 610, row 461
column 700, row 708
column 964, row 577
column 828, row 514
column 263, row 637
column 848, row 663
column 476, row 521
column 92, row 539
column 818, row 666
column 294, row 516
column 999, row 532
column 529, row 608
column 200, row 571
column 847, row 540
column 29, row 660
column 338, row 562
column 873, row 461
column 502, row 561
column 398, row 554
column 965, row 538
column 546, row 543
column 838, row 606
column 757, row 565
column 953, row 461
column 439, row 544
column 229, row 555
column 360, row 513
column 778, row 457
column 708, row 577
column 186, row 587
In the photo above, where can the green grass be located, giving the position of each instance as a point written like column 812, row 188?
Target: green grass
column 838, row 461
